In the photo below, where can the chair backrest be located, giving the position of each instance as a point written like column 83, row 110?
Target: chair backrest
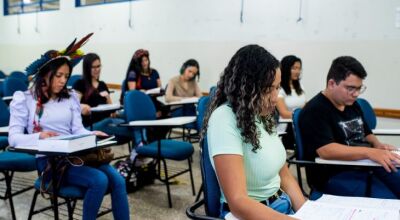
column 19, row 75
column 368, row 113
column 201, row 110
column 123, row 91
column 73, row 79
column 299, row 151
column 11, row 85
column 138, row 106
column 2, row 75
column 211, row 187
column 4, row 114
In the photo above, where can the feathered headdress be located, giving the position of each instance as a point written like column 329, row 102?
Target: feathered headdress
column 71, row 53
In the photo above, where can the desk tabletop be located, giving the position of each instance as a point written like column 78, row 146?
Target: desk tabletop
column 184, row 101
column 176, row 121
column 381, row 131
column 4, row 130
column 32, row 149
column 364, row 162
column 106, row 107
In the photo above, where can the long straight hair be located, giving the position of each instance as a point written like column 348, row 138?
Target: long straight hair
column 87, row 74
column 286, row 69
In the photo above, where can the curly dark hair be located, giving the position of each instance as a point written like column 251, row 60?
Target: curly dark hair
column 243, row 85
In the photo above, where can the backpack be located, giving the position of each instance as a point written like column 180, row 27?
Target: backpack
column 139, row 175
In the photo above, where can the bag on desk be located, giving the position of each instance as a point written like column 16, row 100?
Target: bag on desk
column 97, row 157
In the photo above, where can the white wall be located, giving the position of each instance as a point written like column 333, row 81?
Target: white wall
column 210, row 31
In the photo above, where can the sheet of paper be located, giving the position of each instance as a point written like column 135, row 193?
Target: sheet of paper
column 361, row 202
column 313, row 210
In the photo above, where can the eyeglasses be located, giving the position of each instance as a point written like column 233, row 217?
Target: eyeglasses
column 353, row 89
column 96, row 67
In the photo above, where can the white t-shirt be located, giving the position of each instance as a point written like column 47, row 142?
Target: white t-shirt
column 292, row 102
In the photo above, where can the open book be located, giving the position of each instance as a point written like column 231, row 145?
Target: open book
column 330, row 207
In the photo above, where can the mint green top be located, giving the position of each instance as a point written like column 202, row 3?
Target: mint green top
column 261, row 168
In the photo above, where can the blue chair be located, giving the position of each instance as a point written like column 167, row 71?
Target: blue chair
column 210, row 186
column 72, row 80
column 19, row 75
column 139, row 106
column 366, row 185
column 11, row 85
column 368, row 112
column 69, row 193
column 2, row 75
column 4, row 120
column 11, row 162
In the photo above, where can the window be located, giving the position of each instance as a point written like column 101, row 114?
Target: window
column 79, row 3
column 26, row 6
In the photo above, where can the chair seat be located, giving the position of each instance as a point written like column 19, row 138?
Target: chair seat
column 14, row 161
column 65, row 191
column 3, row 142
column 170, row 149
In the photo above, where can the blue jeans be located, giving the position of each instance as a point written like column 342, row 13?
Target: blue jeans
column 96, row 181
column 282, row 205
column 110, row 126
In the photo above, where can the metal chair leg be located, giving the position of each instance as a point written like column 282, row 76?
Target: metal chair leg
column 8, row 177
column 191, row 176
column 167, row 183
column 32, row 209
column 70, row 208
column 199, row 193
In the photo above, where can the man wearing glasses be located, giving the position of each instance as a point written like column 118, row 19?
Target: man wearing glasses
column 332, row 127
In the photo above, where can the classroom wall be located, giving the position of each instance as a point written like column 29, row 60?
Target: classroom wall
column 211, row 31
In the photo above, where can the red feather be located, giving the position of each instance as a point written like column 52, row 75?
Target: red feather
column 79, row 44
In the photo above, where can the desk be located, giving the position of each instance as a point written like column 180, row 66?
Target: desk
column 184, row 101
column 176, row 121
column 51, row 158
column 103, row 109
column 4, row 130
column 386, row 132
column 285, row 120
column 106, row 107
column 364, row 162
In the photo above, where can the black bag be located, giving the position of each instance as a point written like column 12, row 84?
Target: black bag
column 141, row 175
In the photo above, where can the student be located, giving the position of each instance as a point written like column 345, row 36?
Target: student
column 333, row 127
column 92, row 92
column 291, row 96
column 48, row 109
column 142, row 77
column 245, row 150
column 184, row 86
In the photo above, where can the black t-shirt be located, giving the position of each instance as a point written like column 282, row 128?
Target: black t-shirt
column 97, row 97
column 321, row 123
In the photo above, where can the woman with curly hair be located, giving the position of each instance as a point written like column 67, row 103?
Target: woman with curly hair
column 245, row 150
